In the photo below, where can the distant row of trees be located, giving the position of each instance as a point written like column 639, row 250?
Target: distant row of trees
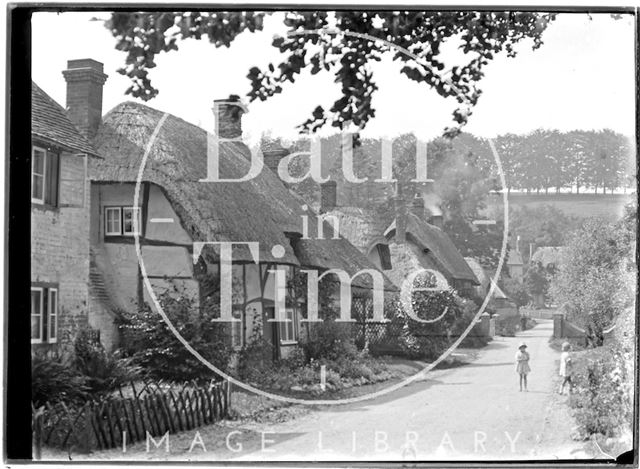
column 547, row 160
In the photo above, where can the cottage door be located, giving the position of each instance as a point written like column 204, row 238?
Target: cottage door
column 270, row 331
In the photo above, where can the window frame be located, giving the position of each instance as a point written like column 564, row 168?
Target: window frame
column 108, row 210
column 40, row 338
column 135, row 211
column 52, row 325
column 50, row 175
column 283, row 326
column 34, row 149
column 121, row 209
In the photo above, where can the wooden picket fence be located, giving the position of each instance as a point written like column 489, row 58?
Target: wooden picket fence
column 128, row 415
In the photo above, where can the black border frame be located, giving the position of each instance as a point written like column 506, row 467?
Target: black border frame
column 17, row 441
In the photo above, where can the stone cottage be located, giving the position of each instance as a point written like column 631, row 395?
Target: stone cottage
column 60, row 214
column 175, row 212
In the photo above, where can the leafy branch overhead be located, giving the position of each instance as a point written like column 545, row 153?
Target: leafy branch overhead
column 481, row 36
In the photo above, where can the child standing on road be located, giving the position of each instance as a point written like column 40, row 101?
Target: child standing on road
column 565, row 367
column 522, row 365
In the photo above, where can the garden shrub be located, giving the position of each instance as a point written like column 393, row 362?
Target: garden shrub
column 603, row 397
column 516, row 291
column 255, row 359
column 104, row 371
column 150, row 343
column 604, row 382
column 54, row 379
column 329, row 340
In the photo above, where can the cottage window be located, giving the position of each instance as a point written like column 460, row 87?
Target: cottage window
column 44, row 177
column 288, row 329
column 44, row 315
column 37, row 313
column 119, row 221
column 112, row 223
column 127, row 220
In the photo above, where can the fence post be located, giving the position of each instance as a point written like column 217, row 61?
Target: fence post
column 227, row 407
column 37, row 432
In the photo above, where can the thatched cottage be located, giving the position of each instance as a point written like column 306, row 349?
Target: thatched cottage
column 499, row 301
column 59, row 223
column 397, row 227
column 175, row 209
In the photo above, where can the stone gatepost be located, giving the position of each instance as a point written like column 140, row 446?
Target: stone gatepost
column 485, row 326
column 558, row 324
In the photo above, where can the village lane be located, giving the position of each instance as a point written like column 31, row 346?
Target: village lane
column 474, row 411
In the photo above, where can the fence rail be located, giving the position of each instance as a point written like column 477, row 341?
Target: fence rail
column 128, row 415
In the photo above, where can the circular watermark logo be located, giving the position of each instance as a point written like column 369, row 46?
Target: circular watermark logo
column 381, row 392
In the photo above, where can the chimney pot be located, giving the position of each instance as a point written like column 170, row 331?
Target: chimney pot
column 229, row 117
column 85, row 79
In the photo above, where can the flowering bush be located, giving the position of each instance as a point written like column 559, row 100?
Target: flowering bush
column 603, row 398
column 329, row 340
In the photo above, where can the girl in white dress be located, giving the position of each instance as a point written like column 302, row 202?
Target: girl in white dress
column 565, row 367
column 522, row 365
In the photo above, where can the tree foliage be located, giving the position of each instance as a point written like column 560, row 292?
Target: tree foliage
column 481, row 35
column 545, row 225
column 596, row 280
column 546, row 160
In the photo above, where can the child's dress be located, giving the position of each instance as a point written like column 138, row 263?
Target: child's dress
column 565, row 365
column 522, row 363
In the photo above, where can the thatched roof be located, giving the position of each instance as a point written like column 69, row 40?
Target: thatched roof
column 483, row 277
column 479, row 272
column 259, row 210
column 50, row 124
column 439, row 245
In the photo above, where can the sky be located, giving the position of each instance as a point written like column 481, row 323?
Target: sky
column 581, row 78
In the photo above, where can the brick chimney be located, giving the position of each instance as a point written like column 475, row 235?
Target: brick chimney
column 272, row 153
column 229, row 117
column 417, row 207
column 400, row 207
column 328, row 196
column 85, row 78
column 401, row 218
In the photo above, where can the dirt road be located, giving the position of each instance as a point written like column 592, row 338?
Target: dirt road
column 472, row 412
